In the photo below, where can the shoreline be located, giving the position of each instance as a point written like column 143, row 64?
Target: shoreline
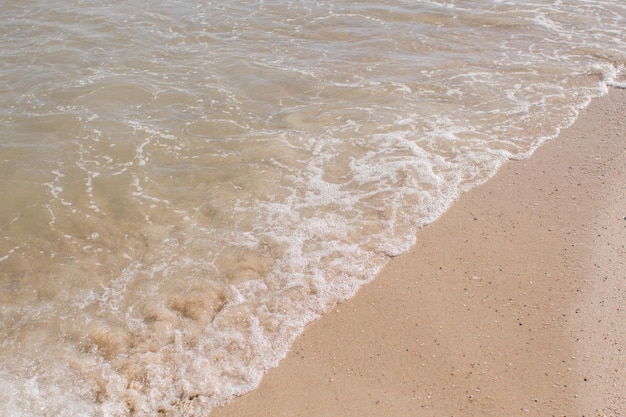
column 512, row 303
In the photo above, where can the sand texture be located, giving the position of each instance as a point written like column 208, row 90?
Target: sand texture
column 512, row 304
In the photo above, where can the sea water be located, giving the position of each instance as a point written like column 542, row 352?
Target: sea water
column 185, row 184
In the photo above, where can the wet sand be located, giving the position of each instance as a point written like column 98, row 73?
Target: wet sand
column 512, row 304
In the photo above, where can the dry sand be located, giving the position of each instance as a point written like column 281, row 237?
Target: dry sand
column 512, row 304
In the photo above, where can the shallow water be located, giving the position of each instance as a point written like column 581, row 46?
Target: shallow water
column 184, row 186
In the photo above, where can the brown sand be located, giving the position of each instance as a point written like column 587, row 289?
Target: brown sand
column 512, row 304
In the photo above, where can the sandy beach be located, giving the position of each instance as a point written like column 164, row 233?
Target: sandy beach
column 511, row 304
